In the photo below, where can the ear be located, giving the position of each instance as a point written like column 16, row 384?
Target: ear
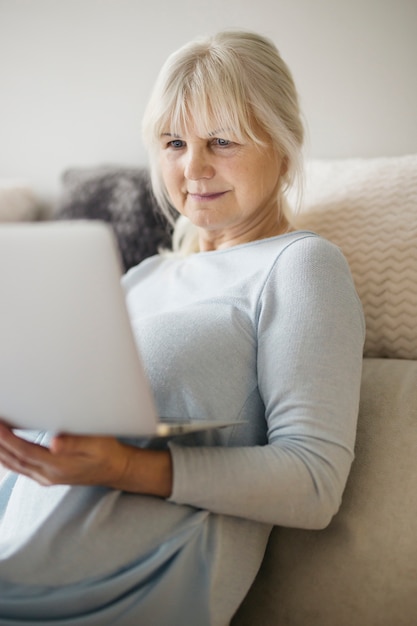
column 284, row 166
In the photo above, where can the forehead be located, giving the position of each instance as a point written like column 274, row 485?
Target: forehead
column 202, row 112
column 205, row 124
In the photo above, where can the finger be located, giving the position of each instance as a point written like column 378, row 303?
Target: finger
column 14, row 464
column 20, row 449
column 34, row 460
column 43, row 473
column 62, row 444
column 71, row 444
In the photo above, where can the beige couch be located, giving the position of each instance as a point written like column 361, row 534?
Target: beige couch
column 362, row 569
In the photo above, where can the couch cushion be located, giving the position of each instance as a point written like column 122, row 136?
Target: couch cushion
column 121, row 196
column 361, row 570
column 369, row 208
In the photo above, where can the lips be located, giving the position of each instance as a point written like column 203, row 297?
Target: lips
column 206, row 197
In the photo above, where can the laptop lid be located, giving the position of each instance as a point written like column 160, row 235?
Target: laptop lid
column 68, row 359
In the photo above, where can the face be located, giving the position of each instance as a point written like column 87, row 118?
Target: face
column 226, row 187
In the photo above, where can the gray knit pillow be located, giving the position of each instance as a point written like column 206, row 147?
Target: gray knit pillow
column 121, row 196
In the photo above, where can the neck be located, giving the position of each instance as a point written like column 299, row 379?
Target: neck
column 209, row 241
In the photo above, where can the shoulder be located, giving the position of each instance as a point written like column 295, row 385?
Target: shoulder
column 311, row 279
column 296, row 245
column 309, row 266
column 302, row 243
column 306, row 250
column 141, row 271
column 296, row 254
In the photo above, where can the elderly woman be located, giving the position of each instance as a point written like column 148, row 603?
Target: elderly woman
column 246, row 320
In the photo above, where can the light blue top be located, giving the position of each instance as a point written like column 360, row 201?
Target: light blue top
column 269, row 333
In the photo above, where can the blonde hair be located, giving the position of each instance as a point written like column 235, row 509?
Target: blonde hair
column 233, row 80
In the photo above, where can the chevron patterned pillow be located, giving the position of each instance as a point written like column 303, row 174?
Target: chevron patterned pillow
column 368, row 207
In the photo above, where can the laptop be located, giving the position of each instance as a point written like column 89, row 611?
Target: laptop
column 68, row 358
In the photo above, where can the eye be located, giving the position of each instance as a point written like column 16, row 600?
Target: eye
column 176, row 143
column 222, row 143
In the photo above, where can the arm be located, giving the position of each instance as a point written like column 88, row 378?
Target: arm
column 310, row 341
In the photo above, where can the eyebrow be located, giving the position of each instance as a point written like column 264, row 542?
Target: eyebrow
column 170, row 135
column 212, row 133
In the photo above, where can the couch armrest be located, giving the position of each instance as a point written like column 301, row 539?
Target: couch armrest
column 362, row 568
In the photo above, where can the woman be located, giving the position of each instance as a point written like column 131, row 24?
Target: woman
column 261, row 325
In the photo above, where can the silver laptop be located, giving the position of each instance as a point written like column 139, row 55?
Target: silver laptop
column 68, row 358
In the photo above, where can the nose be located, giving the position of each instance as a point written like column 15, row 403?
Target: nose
column 198, row 164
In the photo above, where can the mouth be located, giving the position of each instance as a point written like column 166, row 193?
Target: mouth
column 206, row 197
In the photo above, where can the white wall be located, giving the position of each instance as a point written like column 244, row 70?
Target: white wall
column 75, row 74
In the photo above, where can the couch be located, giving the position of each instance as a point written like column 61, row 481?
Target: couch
column 362, row 569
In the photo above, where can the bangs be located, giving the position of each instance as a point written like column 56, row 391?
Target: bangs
column 208, row 101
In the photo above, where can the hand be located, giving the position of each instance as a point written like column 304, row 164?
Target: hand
column 88, row 460
column 69, row 459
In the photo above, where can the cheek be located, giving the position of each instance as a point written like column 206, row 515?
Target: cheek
column 269, row 174
column 170, row 175
column 246, row 180
column 173, row 184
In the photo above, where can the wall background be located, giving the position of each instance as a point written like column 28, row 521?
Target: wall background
column 75, row 75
